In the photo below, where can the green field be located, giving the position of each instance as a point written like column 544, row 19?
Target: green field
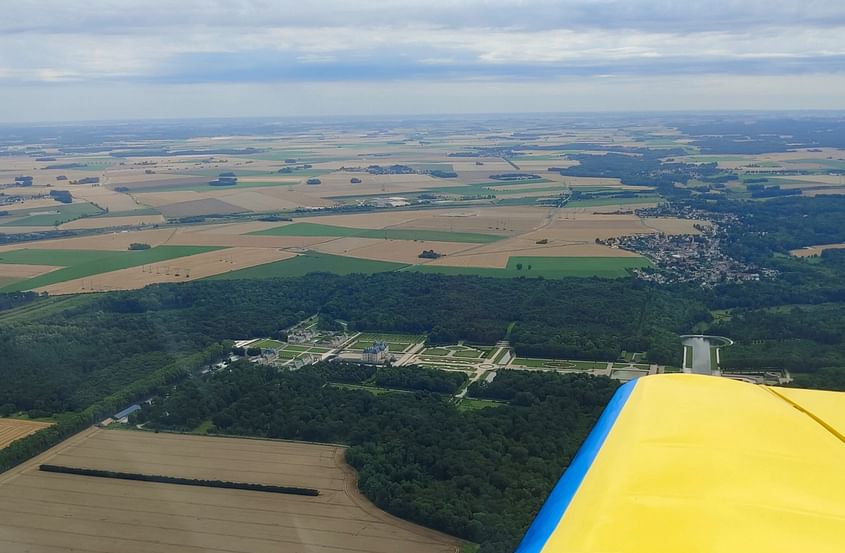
column 84, row 263
column 142, row 210
column 543, row 363
column 453, row 362
column 559, row 363
column 372, row 389
column 592, row 202
column 271, row 344
column 314, row 229
column 435, row 351
column 395, row 347
column 547, row 267
column 311, row 262
column 465, row 352
column 501, row 354
column 297, row 348
column 467, row 404
column 396, row 342
column 42, row 307
column 716, row 158
column 205, row 187
column 391, row 337
column 469, row 353
column 66, row 212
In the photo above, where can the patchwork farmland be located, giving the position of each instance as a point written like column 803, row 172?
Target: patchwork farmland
column 331, row 198
column 53, row 512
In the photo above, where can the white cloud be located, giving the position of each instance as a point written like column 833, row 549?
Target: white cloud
column 490, row 46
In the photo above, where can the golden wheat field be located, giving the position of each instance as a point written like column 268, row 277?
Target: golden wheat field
column 12, row 429
column 47, row 512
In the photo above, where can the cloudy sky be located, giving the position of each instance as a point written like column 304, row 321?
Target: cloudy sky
column 106, row 59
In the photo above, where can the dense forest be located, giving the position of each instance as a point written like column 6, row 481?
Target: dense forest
column 480, row 474
column 778, row 225
column 643, row 167
column 66, row 358
column 420, row 378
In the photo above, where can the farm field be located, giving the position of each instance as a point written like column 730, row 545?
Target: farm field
column 811, row 251
column 64, row 513
column 312, row 262
column 77, row 264
column 377, row 202
column 51, row 216
column 209, row 261
column 12, row 429
column 313, row 229
column 547, row 267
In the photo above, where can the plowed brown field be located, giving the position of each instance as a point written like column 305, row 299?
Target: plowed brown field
column 46, row 512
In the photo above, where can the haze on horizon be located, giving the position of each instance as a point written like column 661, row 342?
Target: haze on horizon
column 104, row 59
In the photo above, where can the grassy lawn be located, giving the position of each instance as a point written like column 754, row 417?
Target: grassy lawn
column 372, row 389
column 589, row 364
column 471, row 353
column 461, row 363
column 314, row 229
column 547, row 267
column 558, row 363
column 435, row 351
column 42, row 307
column 203, row 427
column 444, row 367
column 297, row 348
column 142, row 210
column 541, row 363
column 319, row 350
column 502, row 353
column 397, row 338
column 311, row 262
column 476, row 404
column 269, row 343
column 67, row 212
column 83, row 263
column 395, row 347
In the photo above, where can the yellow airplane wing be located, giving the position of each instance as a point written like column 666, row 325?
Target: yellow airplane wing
column 686, row 463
